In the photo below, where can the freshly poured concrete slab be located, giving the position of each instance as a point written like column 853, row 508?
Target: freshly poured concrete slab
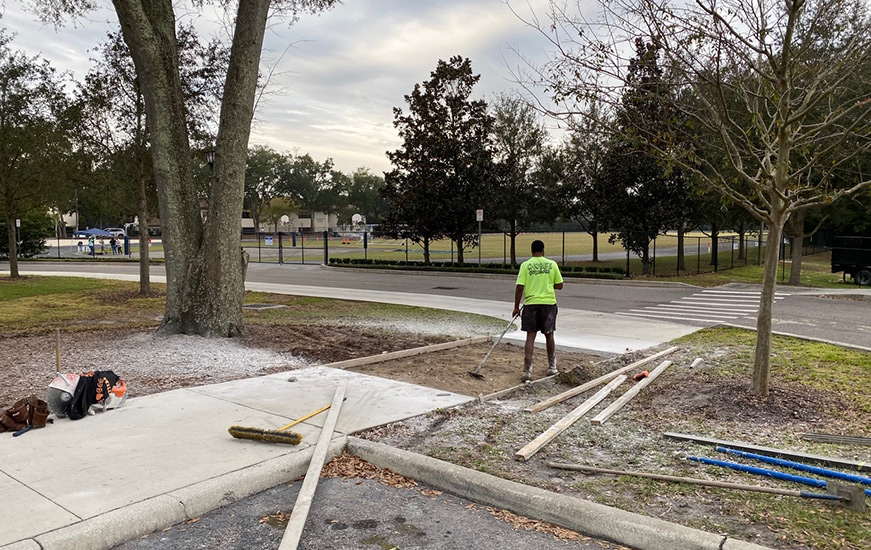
column 26, row 513
column 151, row 445
column 371, row 401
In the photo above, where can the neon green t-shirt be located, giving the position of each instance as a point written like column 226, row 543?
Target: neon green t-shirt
column 538, row 275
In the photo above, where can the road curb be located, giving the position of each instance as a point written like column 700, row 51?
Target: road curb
column 588, row 518
column 142, row 518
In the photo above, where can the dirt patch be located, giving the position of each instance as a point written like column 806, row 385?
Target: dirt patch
column 449, row 369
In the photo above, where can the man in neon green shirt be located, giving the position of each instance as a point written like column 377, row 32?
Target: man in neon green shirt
column 537, row 279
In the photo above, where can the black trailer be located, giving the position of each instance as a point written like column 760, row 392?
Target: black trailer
column 852, row 255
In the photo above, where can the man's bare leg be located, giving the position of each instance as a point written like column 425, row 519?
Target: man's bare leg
column 527, row 356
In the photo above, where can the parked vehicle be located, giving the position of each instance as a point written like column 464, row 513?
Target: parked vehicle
column 852, row 255
column 116, row 232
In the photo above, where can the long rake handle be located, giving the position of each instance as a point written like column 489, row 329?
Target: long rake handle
column 496, row 343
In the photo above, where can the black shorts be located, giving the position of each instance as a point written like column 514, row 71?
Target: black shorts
column 538, row 318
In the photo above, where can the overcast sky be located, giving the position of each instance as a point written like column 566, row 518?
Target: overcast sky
column 347, row 68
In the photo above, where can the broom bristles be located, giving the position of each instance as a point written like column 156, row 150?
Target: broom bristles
column 269, row 436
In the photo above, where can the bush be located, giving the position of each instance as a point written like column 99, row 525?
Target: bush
column 36, row 226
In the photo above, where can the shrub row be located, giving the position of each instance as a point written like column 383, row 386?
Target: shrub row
column 577, row 271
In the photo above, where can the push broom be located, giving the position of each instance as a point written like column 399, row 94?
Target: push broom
column 273, row 436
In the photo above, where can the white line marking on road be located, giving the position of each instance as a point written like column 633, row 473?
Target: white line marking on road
column 671, row 319
column 707, row 308
column 673, row 312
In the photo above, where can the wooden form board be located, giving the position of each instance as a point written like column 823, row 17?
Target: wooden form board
column 838, row 439
column 566, row 421
column 360, row 361
column 630, row 393
column 293, row 532
column 598, row 381
column 772, row 451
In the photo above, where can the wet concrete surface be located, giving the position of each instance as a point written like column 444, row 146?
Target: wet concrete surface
column 357, row 514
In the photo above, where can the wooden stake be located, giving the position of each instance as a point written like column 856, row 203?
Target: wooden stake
column 361, row 361
column 57, row 354
column 566, row 421
column 630, row 393
column 598, row 381
column 293, row 532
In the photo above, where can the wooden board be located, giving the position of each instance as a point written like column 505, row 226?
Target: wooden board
column 293, row 532
column 360, row 361
column 533, row 447
column 597, row 382
column 772, row 451
column 630, row 393
column 837, row 439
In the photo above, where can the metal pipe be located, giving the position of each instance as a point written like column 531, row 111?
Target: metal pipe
column 763, row 472
column 694, row 481
column 825, row 472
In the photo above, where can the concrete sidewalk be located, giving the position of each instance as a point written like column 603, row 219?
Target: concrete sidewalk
column 164, row 458
column 603, row 334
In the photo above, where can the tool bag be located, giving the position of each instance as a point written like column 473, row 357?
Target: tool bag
column 30, row 411
column 93, row 388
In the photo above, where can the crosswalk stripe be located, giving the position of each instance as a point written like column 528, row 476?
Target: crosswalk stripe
column 670, row 319
column 707, row 303
column 673, row 312
column 701, row 308
column 739, row 292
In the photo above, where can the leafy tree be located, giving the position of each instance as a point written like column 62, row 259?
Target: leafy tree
column 35, row 146
column 361, row 194
column 644, row 199
column 585, row 192
column 307, row 183
column 205, row 264
column 518, row 145
column 36, row 226
column 443, row 170
column 799, row 68
column 262, row 174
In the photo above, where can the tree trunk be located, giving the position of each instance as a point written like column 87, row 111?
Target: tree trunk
column 144, row 252
column 460, row 255
column 593, row 230
column 426, row 250
column 762, row 362
column 645, row 260
column 513, row 236
column 715, row 246
column 13, row 245
column 797, row 236
column 204, row 267
column 681, row 262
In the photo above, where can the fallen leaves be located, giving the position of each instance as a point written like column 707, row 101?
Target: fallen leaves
column 350, row 466
column 521, row 522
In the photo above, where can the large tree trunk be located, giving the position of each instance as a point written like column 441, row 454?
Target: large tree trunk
column 13, row 245
column 204, row 262
column 645, row 260
column 460, row 255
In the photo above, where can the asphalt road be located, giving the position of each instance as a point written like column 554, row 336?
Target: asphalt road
column 840, row 316
column 355, row 514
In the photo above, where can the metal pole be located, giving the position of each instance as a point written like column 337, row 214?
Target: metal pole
column 480, row 244
column 627, row 263
column 564, row 248
column 326, row 248
column 654, row 255
column 406, row 249
column 259, row 253
column 504, row 249
column 698, row 255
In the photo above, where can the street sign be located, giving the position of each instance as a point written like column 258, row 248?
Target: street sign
column 480, row 215
column 17, row 222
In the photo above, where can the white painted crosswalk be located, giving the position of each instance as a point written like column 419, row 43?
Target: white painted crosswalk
column 708, row 307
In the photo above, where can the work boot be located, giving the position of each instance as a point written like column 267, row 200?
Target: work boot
column 527, row 374
column 551, row 366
